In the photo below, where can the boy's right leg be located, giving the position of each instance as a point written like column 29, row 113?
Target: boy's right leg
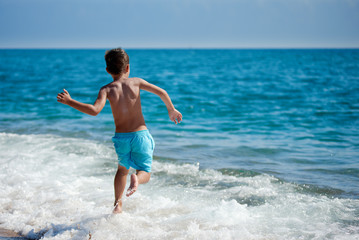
column 140, row 177
column 120, row 184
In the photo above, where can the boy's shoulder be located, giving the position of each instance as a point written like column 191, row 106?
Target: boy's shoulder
column 131, row 81
column 135, row 79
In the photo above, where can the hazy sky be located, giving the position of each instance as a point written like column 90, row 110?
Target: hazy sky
column 178, row 23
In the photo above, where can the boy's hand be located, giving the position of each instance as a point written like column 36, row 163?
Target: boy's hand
column 64, row 97
column 175, row 116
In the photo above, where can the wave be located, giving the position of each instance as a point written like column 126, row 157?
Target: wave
column 62, row 188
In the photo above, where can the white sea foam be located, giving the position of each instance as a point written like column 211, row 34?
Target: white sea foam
column 62, row 188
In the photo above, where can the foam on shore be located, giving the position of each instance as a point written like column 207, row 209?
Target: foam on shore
column 62, row 188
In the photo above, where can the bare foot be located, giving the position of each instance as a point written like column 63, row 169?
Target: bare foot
column 118, row 207
column 133, row 186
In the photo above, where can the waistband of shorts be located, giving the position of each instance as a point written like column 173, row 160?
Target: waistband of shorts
column 132, row 134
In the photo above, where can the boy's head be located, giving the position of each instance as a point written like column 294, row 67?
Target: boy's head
column 116, row 61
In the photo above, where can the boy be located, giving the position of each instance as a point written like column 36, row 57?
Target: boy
column 133, row 143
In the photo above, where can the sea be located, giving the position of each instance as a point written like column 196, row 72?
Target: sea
column 268, row 147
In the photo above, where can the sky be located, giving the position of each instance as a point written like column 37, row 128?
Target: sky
column 179, row 23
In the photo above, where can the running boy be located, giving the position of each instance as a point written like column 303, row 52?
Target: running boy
column 133, row 143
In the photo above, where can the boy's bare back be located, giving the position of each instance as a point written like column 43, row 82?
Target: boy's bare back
column 125, row 101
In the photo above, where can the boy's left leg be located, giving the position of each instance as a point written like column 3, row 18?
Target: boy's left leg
column 141, row 177
column 119, row 185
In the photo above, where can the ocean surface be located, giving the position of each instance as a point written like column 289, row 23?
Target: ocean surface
column 268, row 147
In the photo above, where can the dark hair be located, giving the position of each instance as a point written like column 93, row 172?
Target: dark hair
column 116, row 61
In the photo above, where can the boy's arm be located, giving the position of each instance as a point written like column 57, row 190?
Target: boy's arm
column 174, row 115
column 90, row 109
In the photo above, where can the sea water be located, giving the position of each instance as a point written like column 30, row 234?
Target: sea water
column 268, row 147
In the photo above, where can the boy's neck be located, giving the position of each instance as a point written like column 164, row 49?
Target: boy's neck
column 119, row 77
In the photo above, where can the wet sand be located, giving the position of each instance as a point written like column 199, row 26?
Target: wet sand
column 6, row 234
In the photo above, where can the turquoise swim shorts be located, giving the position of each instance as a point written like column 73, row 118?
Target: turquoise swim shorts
column 134, row 149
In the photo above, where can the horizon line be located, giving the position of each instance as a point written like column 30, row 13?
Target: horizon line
column 180, row 48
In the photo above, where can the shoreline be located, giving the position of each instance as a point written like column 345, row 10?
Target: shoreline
column 6, row 234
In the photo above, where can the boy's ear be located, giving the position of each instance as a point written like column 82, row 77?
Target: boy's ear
column 127, row 67
column 107, row 70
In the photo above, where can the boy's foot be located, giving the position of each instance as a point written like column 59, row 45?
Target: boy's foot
column 133, row 186
column 118, row 207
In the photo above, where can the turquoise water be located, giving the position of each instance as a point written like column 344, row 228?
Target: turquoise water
column 290, row 116
column 290, row 113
